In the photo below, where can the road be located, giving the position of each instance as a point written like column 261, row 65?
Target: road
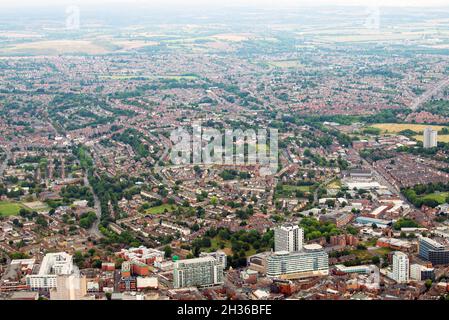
column 429, row 93
column 5, row 163
column 379, row 178
column 94, row 230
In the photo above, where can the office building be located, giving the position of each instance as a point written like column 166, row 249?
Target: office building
column 69, row 287
column 312, row 261
column 52, row 265
column 433, row 251
column 430, row 138
column 199, row 272
column 288, row 238
column 400, row 267
column 220, row 256
column 421, row 273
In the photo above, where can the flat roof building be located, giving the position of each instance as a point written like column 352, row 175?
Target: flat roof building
column 312, row 261
column 52, row 265
column 199, row 272
column 433, row 251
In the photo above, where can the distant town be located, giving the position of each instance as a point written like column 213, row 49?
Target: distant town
column 94, row 207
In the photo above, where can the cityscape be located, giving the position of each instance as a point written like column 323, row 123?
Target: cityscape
column 230, row 152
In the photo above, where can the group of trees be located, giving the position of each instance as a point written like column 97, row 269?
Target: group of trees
column 73, row 192
column 87, row 219
column 405, row 223
column 314, row 229
column 133, row 138
column 419, row 194
column 241, row 243
column 231, row 174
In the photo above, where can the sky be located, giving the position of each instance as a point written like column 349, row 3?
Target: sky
column 277, row 3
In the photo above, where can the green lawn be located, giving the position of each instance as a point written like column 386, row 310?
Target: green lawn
column 289, row 188
column 215, row 245
column 368, row 254
column 161, row 209
column 438, row 197
column 9, row 208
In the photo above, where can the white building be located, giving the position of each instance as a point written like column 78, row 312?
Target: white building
column 199, row 272
column 312, row 261
column 219, row 255
column 430, row 138
column 52, row 265
column 420, row 273
column 400, row 267
column 288, row 238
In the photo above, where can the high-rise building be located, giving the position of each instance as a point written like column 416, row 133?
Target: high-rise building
column 430, row 138
column 433, row 251
column 421, row 273
column 52, row 265
column 312, row 261
column 288, row 238
column 69, row 287
column 199, row 272
column 401, row 267
column 220, row 256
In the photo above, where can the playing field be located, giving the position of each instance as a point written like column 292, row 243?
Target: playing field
column 438, row 197
column 398, row 127
column 161, row 209
column 9, row 208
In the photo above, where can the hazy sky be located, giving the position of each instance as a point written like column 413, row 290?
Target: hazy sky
column 277, row 3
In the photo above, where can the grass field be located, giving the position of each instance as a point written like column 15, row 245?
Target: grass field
column 215, row 245
column 438, row 197
column 9, row 208
column 398, row 127
column 441, row 138
column 289, row 188
column 335, row 184
column 161, row 209
column 368, row 254
column 36, row 206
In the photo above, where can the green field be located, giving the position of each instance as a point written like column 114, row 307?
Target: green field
column 365, row 255
column 9, row 208
column 161, row 209
column 215, row 245
column 398, row 127
column 438, row 197
column 289, row 188
column 335, row 184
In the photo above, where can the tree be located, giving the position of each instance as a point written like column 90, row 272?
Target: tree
column 214, row 201
column 168, row 251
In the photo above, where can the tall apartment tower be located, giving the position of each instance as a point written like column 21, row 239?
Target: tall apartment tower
column 401, row 267
column 199, row 272
column 288, row 238
column 430, row 138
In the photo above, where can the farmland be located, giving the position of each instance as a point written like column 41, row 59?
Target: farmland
column 398, row 127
